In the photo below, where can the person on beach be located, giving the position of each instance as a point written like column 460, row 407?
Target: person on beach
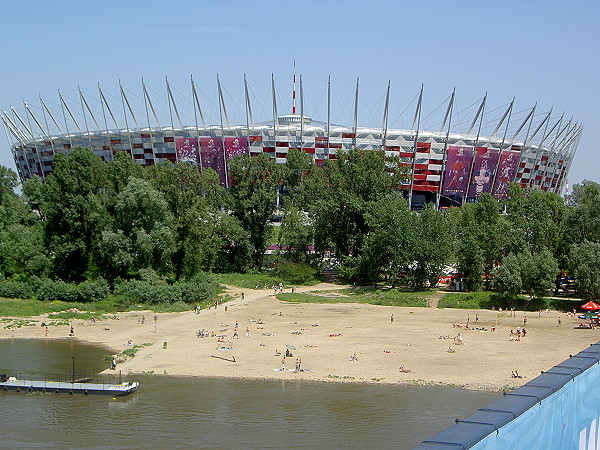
column 297, row 364
column 248, row 332
column 559, row 322
column 72, row 332
column 46, row 331
column 113, row 363
column 392, row 319
column 283, row 364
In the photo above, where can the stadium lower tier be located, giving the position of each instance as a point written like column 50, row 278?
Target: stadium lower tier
column 452, row 167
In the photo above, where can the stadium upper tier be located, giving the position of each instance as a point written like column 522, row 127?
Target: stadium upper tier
column 453, row 162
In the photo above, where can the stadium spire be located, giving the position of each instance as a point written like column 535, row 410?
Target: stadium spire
column 294, row 91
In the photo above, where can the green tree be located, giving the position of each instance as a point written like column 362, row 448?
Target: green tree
column 22, row 252
column 253, row 191
column 141, row 235
column 585, row 265
column 341, row 193
column 295, row 233
column 387, row 250
column 192, row 201
column 538, row 272
column 507, row 279
column 536, row 217
column 482, row 234
column 431, row 246
column 72, row 206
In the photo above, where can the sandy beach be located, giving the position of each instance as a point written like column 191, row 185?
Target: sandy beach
column 325, row 337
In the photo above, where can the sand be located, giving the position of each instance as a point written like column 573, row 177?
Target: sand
column 325, row 336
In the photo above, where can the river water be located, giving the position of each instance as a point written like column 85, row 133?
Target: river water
column 172, row 412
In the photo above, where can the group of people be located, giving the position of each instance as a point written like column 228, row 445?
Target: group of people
column 298, row 363
column 517, row 335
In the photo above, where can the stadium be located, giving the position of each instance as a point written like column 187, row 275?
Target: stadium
column 452, row 155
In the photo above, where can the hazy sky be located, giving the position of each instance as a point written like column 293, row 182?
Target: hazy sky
column 537, row 51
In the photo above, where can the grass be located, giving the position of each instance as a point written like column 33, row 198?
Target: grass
column 467, row 300
column 247, row 280
column 251, row 280
column 128, row 353
column 391, row 297
column 10, row 307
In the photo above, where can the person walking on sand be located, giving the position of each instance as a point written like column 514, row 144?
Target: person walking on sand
column 46, row 331
column 283, row 364
column 392, row 319
column 559, row 322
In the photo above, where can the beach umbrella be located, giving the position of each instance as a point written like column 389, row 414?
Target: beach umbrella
column 291, row 347
column 592, row 306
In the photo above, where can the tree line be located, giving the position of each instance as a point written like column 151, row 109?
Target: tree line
column 94, row 227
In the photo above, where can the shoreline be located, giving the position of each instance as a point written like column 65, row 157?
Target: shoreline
column 326, row 336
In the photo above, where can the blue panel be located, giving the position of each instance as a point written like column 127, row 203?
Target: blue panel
column 558, row 409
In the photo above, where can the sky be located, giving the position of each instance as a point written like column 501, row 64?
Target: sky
column 543, row 52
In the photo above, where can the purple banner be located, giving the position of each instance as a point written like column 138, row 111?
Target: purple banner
column 187, row 150
column 506, row 172
column 458, row 163
column 236, row 147
column 483, row 170
column 211, row 151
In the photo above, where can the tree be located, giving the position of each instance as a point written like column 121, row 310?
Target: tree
column 295, row 233
column 582, row 221
column 22, row 252
column 340, row 195
column 141, row 235
column 192, row 201
column 507, row 279
column 387, row 248
column 253, row 191
column 482, row 234
column 538, row 272
column 72, row 205
column 536, row 217
column 585, row 265
column 432, row 246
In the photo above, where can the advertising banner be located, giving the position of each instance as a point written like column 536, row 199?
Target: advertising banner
column 483, row 170
column 187, row 150
column 507, row 169
column 458, row 163
column 211, row 152
column 235, row 147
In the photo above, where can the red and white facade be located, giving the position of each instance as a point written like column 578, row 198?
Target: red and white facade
column 443, row 164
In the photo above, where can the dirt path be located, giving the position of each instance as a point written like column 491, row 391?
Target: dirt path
column 434, row 298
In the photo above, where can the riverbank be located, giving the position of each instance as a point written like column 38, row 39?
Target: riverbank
column 326, row 337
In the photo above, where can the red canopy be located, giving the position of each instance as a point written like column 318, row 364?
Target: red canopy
column 592, row 306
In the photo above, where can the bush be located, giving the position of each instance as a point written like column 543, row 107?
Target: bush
column 51, row 290
column 15, row 289
column 293, row 273
column 201, row 288
column 93, row 291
